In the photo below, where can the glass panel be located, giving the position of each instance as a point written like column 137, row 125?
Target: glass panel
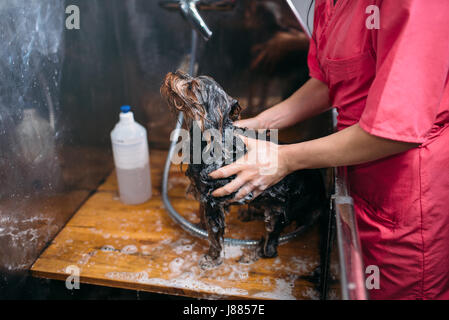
column 61, row 89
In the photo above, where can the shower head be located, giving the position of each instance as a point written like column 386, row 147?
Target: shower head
column 189, row 9
column 190, row 12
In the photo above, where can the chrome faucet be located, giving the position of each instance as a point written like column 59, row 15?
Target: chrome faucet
column 189, row 9
column 190, row 12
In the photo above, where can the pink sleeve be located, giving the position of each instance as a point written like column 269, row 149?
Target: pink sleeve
column 312, row 60
column 315, row 70
column 412, row 48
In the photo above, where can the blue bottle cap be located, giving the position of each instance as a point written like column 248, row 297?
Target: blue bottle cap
column 125, row 109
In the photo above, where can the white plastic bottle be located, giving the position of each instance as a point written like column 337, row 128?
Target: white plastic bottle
column 131, row 158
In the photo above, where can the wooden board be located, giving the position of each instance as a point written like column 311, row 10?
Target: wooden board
column 140, row 247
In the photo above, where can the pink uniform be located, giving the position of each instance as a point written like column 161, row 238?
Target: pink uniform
column 393, row 81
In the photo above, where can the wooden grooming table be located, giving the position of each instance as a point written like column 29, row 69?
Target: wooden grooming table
column 141, row 248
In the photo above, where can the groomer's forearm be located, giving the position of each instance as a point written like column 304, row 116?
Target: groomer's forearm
column 350, row 146
column 309, row 100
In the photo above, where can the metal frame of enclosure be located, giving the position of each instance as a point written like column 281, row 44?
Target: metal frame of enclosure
column 352, row 275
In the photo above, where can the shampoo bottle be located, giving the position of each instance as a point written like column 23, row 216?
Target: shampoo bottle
column 131, row 159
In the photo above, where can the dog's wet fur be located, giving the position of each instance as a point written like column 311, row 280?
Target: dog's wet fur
column 299, row 197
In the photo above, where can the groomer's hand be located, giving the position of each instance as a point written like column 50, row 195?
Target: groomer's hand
column 251, row 123
column 261, row 167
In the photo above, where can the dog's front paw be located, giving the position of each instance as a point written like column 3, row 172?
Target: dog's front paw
column 207, row 262
column 267, row 249
column 270, row 252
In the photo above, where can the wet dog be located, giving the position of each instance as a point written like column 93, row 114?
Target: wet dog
column 299, row 197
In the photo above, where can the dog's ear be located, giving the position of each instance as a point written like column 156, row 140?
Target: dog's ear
column 234, row 113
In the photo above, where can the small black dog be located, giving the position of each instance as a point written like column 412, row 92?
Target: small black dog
column 299, row 197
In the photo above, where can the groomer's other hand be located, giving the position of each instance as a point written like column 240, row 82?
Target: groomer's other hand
column 260, row 168
column 270, row 54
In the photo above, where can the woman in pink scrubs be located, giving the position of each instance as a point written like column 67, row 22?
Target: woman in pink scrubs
column 391, row 88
